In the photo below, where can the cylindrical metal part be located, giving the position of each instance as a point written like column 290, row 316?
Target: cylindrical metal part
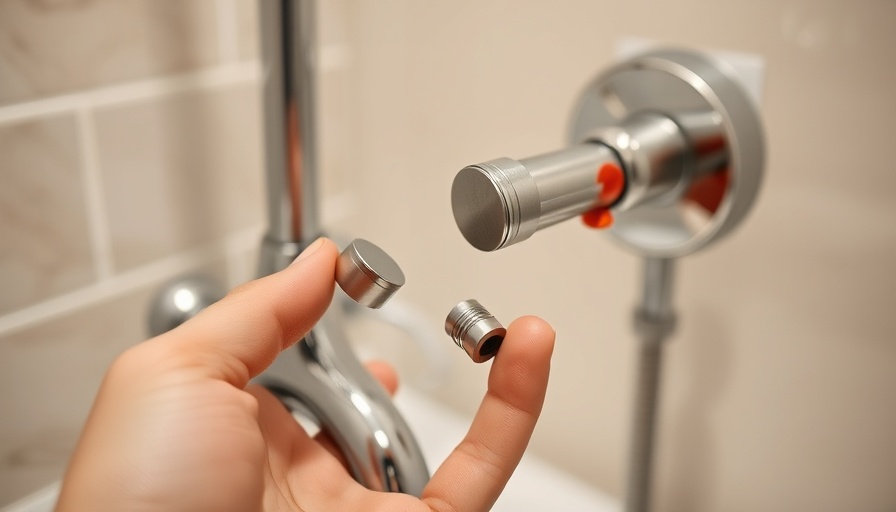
column 475, row 330
column 367, row 274
column 706, row 134
column 654, row 323
column 641, row 445
column 288, row 46
column 656, row 293
column 653, row 151
column 504, row 201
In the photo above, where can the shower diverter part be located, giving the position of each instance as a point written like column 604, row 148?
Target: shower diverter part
column 678, row 125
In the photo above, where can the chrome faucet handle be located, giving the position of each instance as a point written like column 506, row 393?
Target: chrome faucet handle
column 678, row 125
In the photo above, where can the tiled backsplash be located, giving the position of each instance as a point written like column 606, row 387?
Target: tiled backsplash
column 50, row 48
column 50, row 373
column 44, row 228
column 130, row 153
column 191, row 176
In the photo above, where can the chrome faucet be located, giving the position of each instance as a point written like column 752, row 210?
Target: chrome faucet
column 320, row 377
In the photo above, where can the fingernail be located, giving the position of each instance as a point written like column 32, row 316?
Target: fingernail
column 311, row 249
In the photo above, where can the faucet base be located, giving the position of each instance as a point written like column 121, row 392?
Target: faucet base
column 276, row 254
column 322, row 376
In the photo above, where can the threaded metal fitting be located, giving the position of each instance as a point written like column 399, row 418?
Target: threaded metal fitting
column 475, row 330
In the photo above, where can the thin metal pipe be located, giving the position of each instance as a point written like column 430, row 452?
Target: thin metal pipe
column 640, row 469
column 654, row 322
column 288, row 54
column 320, row 376
column 656, row 292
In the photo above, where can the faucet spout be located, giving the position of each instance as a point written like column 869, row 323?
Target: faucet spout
column 320, row 376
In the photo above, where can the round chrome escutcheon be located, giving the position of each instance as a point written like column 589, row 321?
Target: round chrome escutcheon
column 679, row 84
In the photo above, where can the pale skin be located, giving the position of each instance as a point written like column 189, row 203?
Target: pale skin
column 176, row 427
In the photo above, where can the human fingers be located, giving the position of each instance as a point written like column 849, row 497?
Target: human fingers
column 474, row 475
column 238, row 337
column 385, row 374
column 301, row 473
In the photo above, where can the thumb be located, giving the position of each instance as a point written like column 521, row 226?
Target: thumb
column 238, row 337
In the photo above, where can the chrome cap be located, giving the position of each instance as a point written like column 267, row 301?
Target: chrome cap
column 367, row 274
column 495, row 203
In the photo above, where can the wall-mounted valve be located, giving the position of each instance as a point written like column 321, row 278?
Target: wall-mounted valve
column 666, row 151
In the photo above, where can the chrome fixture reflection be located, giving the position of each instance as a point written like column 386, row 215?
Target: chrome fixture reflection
column 666, row 152
column 321, row 375
column 181, row 299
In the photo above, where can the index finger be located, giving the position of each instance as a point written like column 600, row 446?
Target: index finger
column 238, row 337
column 474, row 475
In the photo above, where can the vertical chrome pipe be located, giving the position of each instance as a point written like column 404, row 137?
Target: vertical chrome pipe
column 656, row 294
column 320, row 376
column 288, row 54
column 654, row 322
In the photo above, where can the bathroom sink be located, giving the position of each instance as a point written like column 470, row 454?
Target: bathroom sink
column 536, row 486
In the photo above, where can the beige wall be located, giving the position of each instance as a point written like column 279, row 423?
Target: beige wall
column 130, row 153
column 780, row 389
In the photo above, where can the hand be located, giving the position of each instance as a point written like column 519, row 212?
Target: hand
column 175, row 427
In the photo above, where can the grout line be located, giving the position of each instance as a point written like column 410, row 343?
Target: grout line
column 228, row 33
column 230, row 74
column 335, row 209
column 332, row 58
column 152, row 273
column 95, row 203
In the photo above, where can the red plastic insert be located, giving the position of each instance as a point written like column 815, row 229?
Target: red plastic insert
column 612, row 182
